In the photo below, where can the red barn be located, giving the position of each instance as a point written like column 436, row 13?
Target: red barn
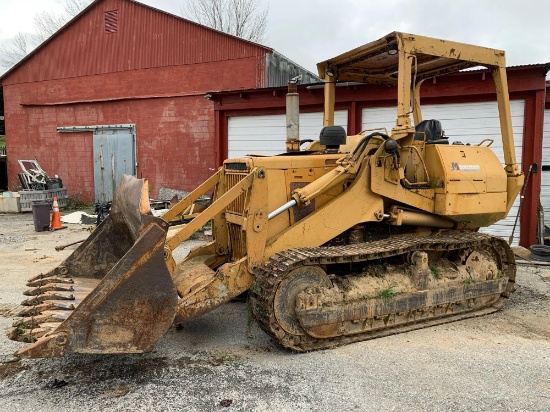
column 121, row 89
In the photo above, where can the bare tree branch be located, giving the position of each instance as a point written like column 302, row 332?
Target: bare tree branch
column 241, row 18
column 73, row 7
column 9, row 55
column 45, row 25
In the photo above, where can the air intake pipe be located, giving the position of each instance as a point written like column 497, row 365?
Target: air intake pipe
column 293, row 116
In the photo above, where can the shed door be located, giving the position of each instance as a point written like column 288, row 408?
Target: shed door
column 113, row 157
column 468, row 123
column 266, row 134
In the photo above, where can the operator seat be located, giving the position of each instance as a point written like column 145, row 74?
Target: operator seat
column 432, row 130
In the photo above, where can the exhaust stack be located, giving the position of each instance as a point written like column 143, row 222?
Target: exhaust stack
column 293, row 116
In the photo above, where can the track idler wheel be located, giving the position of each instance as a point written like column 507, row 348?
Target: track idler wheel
column 295, row 282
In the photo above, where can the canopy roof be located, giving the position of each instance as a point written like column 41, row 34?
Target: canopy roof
column 378, row 62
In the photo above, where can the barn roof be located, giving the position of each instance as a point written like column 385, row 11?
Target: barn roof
column 238, row 45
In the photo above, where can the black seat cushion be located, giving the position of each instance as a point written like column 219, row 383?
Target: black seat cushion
column 431, row 129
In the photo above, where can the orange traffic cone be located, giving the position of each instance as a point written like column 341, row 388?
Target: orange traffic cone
column 56, row 217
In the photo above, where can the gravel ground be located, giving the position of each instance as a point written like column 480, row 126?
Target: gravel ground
column 497, row 362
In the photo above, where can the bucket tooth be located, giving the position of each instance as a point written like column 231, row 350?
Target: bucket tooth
column 48, row 316
column 42, row 330
column 49, row 305
column 58, row 272
column 49, row 287
column 20, row 334
column 54, row 291
column 49, row 279
column 113, row 294
column 28, row 335
column 47, row 296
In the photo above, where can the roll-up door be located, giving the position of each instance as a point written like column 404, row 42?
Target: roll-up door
column 266, row 134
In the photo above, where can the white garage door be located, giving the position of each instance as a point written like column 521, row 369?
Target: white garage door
column 545, row 176
column 267, row 134
column 467, row 123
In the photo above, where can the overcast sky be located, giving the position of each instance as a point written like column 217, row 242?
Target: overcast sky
column 310, row 31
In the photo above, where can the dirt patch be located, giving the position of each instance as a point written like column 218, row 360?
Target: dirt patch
column 526, row 295
column 9, row 310
column 108, row 368
column 10, row 369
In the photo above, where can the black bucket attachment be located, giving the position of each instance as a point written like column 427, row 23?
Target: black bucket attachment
column 114, row 294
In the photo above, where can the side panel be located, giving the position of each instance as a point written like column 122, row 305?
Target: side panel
column 468, row 123
column 114, row 156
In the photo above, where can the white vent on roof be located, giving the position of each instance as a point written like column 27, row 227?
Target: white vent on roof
column 111, row 21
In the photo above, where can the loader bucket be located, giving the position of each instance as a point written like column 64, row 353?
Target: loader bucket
column 113, row 294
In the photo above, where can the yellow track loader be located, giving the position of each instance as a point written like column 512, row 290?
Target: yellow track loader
column 354, row 237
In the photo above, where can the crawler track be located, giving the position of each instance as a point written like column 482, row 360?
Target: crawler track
column 269, row 277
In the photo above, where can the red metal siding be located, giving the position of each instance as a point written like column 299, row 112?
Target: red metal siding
column 139, row 84
column 151, row 69
column 145, row 38
column 174, row 141
column 174, row 122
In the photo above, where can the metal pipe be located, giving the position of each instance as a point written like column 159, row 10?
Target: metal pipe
column 292, row 117
column 425, row 220
column 60, row 248
column 281, row 209
column 343, row 84
column 330, row 90
column 532, row 168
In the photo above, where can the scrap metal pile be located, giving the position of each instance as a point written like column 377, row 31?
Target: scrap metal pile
column 35, row 178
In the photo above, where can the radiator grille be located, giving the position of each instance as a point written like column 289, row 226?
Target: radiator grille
column 237, row 240
column 237, row 237
column 237, row 206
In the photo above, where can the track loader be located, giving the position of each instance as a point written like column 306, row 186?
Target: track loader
column 355, row 237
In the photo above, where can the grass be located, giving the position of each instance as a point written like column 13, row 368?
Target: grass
column 75, row 202
column 345, row 284
column 386, row 294
column 435, row 272
column 468, row 280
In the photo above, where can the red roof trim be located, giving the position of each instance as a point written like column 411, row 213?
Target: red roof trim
column 544, row 66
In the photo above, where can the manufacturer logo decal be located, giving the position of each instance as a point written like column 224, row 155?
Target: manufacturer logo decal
column 455, row 167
